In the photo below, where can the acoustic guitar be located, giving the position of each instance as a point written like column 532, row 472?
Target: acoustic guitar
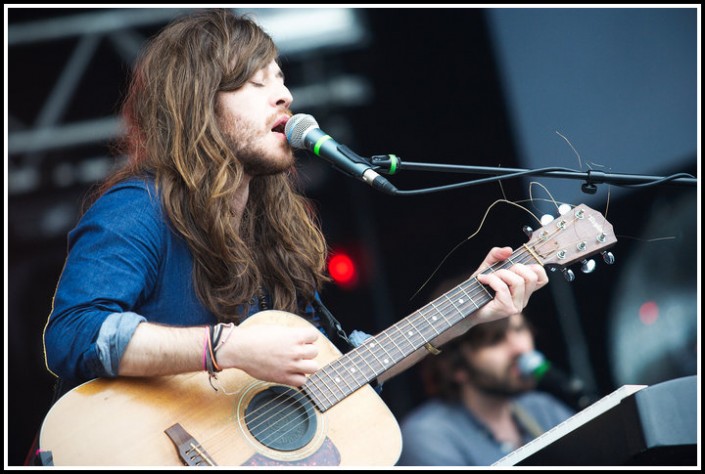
column 334, row 419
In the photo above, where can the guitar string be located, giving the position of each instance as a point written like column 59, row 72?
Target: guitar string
column 277, row 403
column 291, row 424
column 271, row 409
column 272, row 405
column 201, row 453
column 523, row 255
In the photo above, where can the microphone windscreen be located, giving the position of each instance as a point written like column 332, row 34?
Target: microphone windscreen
column 533, row 364
column 296, row 128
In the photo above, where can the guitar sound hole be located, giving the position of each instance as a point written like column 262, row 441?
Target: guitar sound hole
column 281, row 418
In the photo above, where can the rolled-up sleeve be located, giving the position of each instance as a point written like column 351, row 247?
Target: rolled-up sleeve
column 115, row 333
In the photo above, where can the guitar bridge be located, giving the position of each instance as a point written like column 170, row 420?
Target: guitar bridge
column 190, row 451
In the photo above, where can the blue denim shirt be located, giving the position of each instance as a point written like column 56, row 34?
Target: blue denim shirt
column 125, row 265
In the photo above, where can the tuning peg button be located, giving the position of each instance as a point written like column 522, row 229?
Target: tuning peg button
column 546, row 219
column 588, row 266
column 608, row 257
column 568, row 274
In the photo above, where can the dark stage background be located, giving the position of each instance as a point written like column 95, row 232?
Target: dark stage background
column 452, row 86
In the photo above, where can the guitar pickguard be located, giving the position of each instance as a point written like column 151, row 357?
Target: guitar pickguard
column 326, row 455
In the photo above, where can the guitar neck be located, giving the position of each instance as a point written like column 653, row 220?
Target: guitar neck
column 379, row 353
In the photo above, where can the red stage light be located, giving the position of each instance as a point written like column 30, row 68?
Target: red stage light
column 343, row 270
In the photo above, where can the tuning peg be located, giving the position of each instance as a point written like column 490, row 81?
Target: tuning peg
column 528, row 230
column 608, row 257
column 568, row 274
column 546, row 219
column 563, row 209
column 588, row 266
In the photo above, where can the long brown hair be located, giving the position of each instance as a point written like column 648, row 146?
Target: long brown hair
column 173, row 135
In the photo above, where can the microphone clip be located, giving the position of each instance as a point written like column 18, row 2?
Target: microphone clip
column 387, row 164
column 352, row 156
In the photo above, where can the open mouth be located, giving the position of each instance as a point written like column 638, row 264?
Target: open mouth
column 279, row 126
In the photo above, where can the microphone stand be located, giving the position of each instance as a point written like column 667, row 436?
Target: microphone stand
column 391, row 164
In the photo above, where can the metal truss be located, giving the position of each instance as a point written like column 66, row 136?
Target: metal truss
column 35, row 144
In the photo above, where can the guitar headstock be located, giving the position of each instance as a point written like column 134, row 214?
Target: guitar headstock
column 572, row 237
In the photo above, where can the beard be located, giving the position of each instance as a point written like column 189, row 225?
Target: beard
column 256, row 159
column 499, row 384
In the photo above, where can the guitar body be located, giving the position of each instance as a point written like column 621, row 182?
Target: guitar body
column 122, row 421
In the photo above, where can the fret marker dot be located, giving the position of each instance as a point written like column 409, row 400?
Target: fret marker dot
column 461, row 301
column 372, row 344
column 353, row 370
column 434, row 318
column 386, row 361
column 410, row 333
column 337, row 380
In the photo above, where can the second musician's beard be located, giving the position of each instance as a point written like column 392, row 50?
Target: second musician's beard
column 503, row 385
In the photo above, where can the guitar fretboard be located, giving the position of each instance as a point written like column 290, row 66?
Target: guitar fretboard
column 377, row 354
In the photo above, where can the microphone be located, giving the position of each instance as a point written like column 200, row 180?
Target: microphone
column 302, row 132
column 550, row 379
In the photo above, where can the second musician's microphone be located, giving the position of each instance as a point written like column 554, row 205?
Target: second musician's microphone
column 302, row 132
column 549, row 378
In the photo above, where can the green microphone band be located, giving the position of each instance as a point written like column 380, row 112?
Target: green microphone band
column 393, row 164
column 321, row 141
column 541, row 370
